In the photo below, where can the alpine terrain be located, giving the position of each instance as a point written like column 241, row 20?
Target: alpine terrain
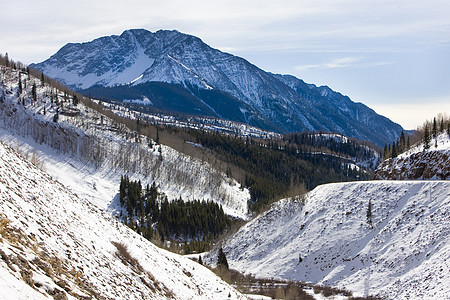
column 55, row 243
column 175, row 72
column 385, row 238
column 419, row 163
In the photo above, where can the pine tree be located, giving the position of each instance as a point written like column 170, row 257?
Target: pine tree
column 20, row 85
column 426, row 138
column 394, row 150
column 369, row 213
column 34, row 92
column 75, row 100
column 42, row 79
column 222, row 260
column 434, row 130
column 402, row 142
column 441, row 126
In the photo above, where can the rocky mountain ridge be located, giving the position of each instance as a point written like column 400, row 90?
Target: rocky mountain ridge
column 178, row 72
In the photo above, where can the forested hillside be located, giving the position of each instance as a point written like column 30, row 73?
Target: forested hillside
column 150, row 213
column 96, row 139
column 429, row 158
column 56, row 245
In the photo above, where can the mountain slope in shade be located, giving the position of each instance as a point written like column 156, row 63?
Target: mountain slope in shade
column 179, row 73
column 402, row 251
column 60, row 245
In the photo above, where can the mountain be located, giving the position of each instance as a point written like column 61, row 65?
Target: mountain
column 97, row 150
column 56, row 244
column 385, row 238
column 176, row 72
column 419, row 163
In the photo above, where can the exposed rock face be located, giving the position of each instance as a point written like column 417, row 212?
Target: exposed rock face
column 433, row 163
column 176, row 72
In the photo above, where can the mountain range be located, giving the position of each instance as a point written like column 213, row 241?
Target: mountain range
column 175, row 72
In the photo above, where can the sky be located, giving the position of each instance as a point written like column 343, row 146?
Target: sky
column 391, row 55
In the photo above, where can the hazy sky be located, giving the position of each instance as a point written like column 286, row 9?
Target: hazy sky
column 393, row 56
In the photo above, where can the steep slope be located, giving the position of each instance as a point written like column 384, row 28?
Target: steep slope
column 63, row 245
column 178, row 72
column 97, row 150
column 419, row 163
column 401, row 249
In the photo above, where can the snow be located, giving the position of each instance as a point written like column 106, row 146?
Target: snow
column 403, row 253
column 14, row 288
column 419, row 163
column 176, row 174
column 143, row 101
column 137, row 62
column 81, row 236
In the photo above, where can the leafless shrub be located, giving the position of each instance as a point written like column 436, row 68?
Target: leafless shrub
column 125, row 256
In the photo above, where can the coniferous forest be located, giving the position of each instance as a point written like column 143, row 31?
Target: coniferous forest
column 150, row 213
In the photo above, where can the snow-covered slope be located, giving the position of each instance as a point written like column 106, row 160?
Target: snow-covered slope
column 90, row 152
column 58, row 244
column 402, row 251
column 205, row 81
column 419, row 163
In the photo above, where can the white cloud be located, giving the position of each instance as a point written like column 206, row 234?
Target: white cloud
column 344, row 62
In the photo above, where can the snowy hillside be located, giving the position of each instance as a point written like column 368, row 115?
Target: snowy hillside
column 97, row 150
column 401, row 249
column 60, row 244
column 177, row 72
column 417, row 163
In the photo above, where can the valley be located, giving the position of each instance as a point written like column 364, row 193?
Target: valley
column 65, row 157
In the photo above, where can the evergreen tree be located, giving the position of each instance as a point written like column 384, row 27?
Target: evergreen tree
column 34, row 92
column 75, row 100
column 426, row 138
column 434, row 130
column 20, row 85
column 441, row 126
column 200, row 261
column 402, row 142
column 369, row 213
column 222, row 260
column 42, row 80
column 394, row 150
column 56, row 116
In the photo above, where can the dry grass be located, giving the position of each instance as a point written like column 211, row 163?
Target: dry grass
column 55, row 268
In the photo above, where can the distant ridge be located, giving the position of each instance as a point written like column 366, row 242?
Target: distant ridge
column 176, row 72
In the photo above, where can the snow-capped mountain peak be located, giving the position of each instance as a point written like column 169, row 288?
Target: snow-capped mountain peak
column 206, row 81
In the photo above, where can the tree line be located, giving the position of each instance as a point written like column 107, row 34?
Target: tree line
column 275, row 168
column 425, row 134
